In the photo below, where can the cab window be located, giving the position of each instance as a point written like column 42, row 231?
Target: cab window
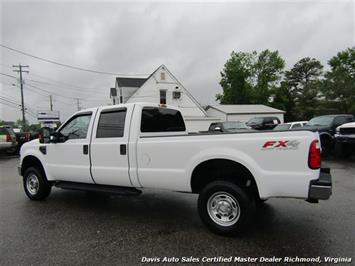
column 111, row 124
column 161, row 120
column 77, row 127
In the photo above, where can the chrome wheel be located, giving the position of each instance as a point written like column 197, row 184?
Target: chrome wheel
column 32, row 184
column 223, row 209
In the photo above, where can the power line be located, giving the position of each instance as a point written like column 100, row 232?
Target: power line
column 66, row 65
column 86, row 93
column 56, row 81
column 18, row 108
column 11, row 76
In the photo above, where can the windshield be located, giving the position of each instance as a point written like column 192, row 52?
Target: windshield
column 235, row 125
column 282, row 127
column 321, row 121
column 256, row 120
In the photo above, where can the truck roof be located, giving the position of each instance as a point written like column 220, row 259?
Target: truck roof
column 126, row 105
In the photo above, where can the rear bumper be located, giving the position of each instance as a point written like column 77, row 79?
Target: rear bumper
column 321, row 188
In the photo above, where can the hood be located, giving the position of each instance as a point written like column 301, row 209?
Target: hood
column 352, row 124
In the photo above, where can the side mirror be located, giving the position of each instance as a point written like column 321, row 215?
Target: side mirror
column 44, row 135
column 217, row 129
column 57, row 137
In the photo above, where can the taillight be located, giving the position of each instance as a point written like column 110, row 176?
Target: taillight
column 314, row 156
column 8, row 138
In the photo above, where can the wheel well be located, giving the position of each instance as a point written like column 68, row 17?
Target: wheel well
column 31, row 161
column 223, row 169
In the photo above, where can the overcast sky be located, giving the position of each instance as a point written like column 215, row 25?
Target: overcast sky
column 192, row 39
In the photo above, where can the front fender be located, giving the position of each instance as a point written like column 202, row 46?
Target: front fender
column 35, row 152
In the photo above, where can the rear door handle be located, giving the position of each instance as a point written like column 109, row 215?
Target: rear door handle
column 123, row 149
column 85, row 149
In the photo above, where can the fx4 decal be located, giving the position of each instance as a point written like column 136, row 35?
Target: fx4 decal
column 280, row 145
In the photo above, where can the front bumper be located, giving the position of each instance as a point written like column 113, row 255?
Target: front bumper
column 321, row 188
column 19, row 170
column 345, row 139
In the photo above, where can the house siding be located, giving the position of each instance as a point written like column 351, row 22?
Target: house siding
column 150, row 92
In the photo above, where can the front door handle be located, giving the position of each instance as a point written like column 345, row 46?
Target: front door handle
column 85, row 149
column 123, row 149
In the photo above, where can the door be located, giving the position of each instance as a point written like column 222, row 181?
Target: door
column 69, row 160
column 109, row 158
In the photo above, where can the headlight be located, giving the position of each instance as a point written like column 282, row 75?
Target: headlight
column 337, row 130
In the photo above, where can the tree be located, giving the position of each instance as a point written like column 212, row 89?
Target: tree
column 236, row 79
column 303, row 83
column 283, row 99
column 268, row 70
column 249, row 77
column 339, row 87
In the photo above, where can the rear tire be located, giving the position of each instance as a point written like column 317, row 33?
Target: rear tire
column 35, row 184
column 225, row 208
column 327, row 145
column 344, row 150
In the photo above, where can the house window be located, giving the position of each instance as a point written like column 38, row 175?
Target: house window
column 162, row 96
column 176, row 95
column 162, row 76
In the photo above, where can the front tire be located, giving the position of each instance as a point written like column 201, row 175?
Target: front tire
column 225, row 208
column 35, row 184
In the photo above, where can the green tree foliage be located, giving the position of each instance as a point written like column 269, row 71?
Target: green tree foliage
column 339, row 88
column 302, row 84
column 236, row 79
column 250, row 77
column 283, row 99
column 268, row 69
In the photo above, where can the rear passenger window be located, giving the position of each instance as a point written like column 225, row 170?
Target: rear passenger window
column 161, row 120
column 111, row 124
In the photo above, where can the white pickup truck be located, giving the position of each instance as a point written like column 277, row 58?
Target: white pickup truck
column 129, row 147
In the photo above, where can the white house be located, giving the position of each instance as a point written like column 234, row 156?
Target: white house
column 162, row 87
column 243, row 112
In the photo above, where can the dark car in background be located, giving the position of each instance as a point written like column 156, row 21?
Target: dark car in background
column 228, row 126
column 263, row 123
column 326, row 126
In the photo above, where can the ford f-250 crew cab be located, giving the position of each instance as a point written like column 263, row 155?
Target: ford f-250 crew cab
column 129, row 147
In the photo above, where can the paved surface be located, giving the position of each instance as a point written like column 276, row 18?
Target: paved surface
column 75, row 228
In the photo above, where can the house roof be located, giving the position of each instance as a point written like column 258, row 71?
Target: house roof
column 180, row 85
column 130, row 82
column 244, row 109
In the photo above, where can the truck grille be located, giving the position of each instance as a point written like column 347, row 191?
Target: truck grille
column 347, row 131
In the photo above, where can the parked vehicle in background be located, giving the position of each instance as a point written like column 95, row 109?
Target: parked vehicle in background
column 326, row 126
column 21, row 137
column 8, row 141
column 290, row 125
column 128, row 147
column 264, row 123
column 228, row 126
column 345, row 139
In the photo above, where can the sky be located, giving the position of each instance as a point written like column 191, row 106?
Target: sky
column 193, row 39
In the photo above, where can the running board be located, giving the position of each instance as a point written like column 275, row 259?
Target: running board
column 127, row 191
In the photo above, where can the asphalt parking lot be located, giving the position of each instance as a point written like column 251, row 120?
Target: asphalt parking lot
column 76, row 228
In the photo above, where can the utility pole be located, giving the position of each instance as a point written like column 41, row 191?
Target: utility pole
column 18, row 69
column 78, row 104
column 50, row 102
